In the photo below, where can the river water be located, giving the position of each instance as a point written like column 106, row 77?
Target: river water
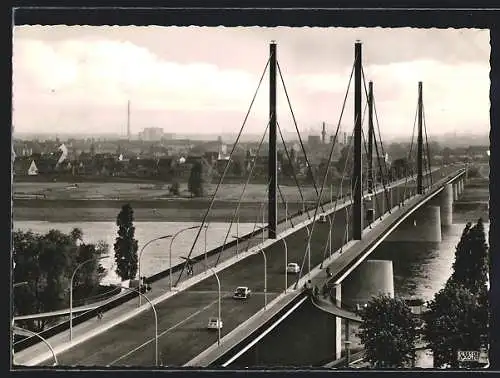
column 155, row 257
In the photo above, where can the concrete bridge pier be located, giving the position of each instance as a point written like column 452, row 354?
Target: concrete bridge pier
column 455, row 191
column 371, row 278
column 337, row 290
column 422, row 226
column 445, row 203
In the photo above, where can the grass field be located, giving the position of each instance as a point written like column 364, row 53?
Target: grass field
column 97, row 201
column 142, row 191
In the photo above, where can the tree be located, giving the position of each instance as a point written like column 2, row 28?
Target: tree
column 196, row 181
column 125, row 245
column 470, row 268
column 46, row 262
column 388, row 332
column 456, row 320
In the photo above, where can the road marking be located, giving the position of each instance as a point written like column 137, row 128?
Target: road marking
column 163, row 333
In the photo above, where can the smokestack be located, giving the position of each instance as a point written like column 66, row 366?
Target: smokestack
column 323, row 134
column 128, row 120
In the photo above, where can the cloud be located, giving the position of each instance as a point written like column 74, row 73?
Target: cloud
column 203, row 79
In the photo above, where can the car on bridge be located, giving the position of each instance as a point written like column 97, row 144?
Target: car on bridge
column 214, row 323
column 292, row 268
column 242, row 292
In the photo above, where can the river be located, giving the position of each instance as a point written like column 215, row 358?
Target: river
column 155, row 256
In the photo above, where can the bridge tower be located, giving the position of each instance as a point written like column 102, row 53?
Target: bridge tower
column 420, row 149
column 357, row 179
column 273, row 169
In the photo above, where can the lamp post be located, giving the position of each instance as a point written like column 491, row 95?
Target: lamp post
column 308, row 250
column 206, row 262
column 263, row 225
column 71, row 292
column 170, row 250
column 265, row 277
column 22, row 330
column 15, row 285
column 286, row 263
column 237, row 236
column 139, row 260
column 219, row 321
column 154, row 312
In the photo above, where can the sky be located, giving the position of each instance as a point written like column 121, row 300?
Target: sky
column 201, row 80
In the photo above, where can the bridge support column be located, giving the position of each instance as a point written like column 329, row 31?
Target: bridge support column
column 445, row 202
column 338, row 323
column 422, row 226
column 371, row 278
column 455, row 192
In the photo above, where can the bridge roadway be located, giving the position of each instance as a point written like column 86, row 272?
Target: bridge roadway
column 183, row 317
column 338, row 264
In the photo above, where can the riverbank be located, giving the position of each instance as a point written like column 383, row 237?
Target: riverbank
column 175, row 212
column 473, row 202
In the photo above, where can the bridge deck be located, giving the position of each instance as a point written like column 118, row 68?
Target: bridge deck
column 182, row 319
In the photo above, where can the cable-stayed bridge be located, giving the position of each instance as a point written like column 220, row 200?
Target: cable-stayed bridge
column 330, row 241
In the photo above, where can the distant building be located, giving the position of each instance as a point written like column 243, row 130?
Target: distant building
column 151, row 134
column 314, row 140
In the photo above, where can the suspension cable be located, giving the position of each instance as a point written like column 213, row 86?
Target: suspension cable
column 374, row 195
column 386, row 191
column 427, row 144
column 293, row 169
column 320, row 195
column 263, row 227
column 284, row 202
column 254, row 163
column 344, row 174
column 411, row 148
column 226, row 168
column 298, row 132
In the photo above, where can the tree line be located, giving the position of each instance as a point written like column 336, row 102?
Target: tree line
column 45, row 263
column 456, row 320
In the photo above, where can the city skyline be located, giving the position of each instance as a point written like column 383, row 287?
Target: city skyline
column 79, row 79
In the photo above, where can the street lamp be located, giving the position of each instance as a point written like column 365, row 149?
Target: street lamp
column 286, row 263
column 154, row 312
column 170, row 250
column 15, row 285
column 22, row 330
column 329, row 239
column 219, row 321
column 237, row 237
column 308, row 250
column 265, row 277
column 206, row 263
column 71, row 291
column 139, row 260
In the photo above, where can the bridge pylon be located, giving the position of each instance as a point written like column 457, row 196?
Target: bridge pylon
column 273, row 169
column 420, row 142
column 357, row 179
